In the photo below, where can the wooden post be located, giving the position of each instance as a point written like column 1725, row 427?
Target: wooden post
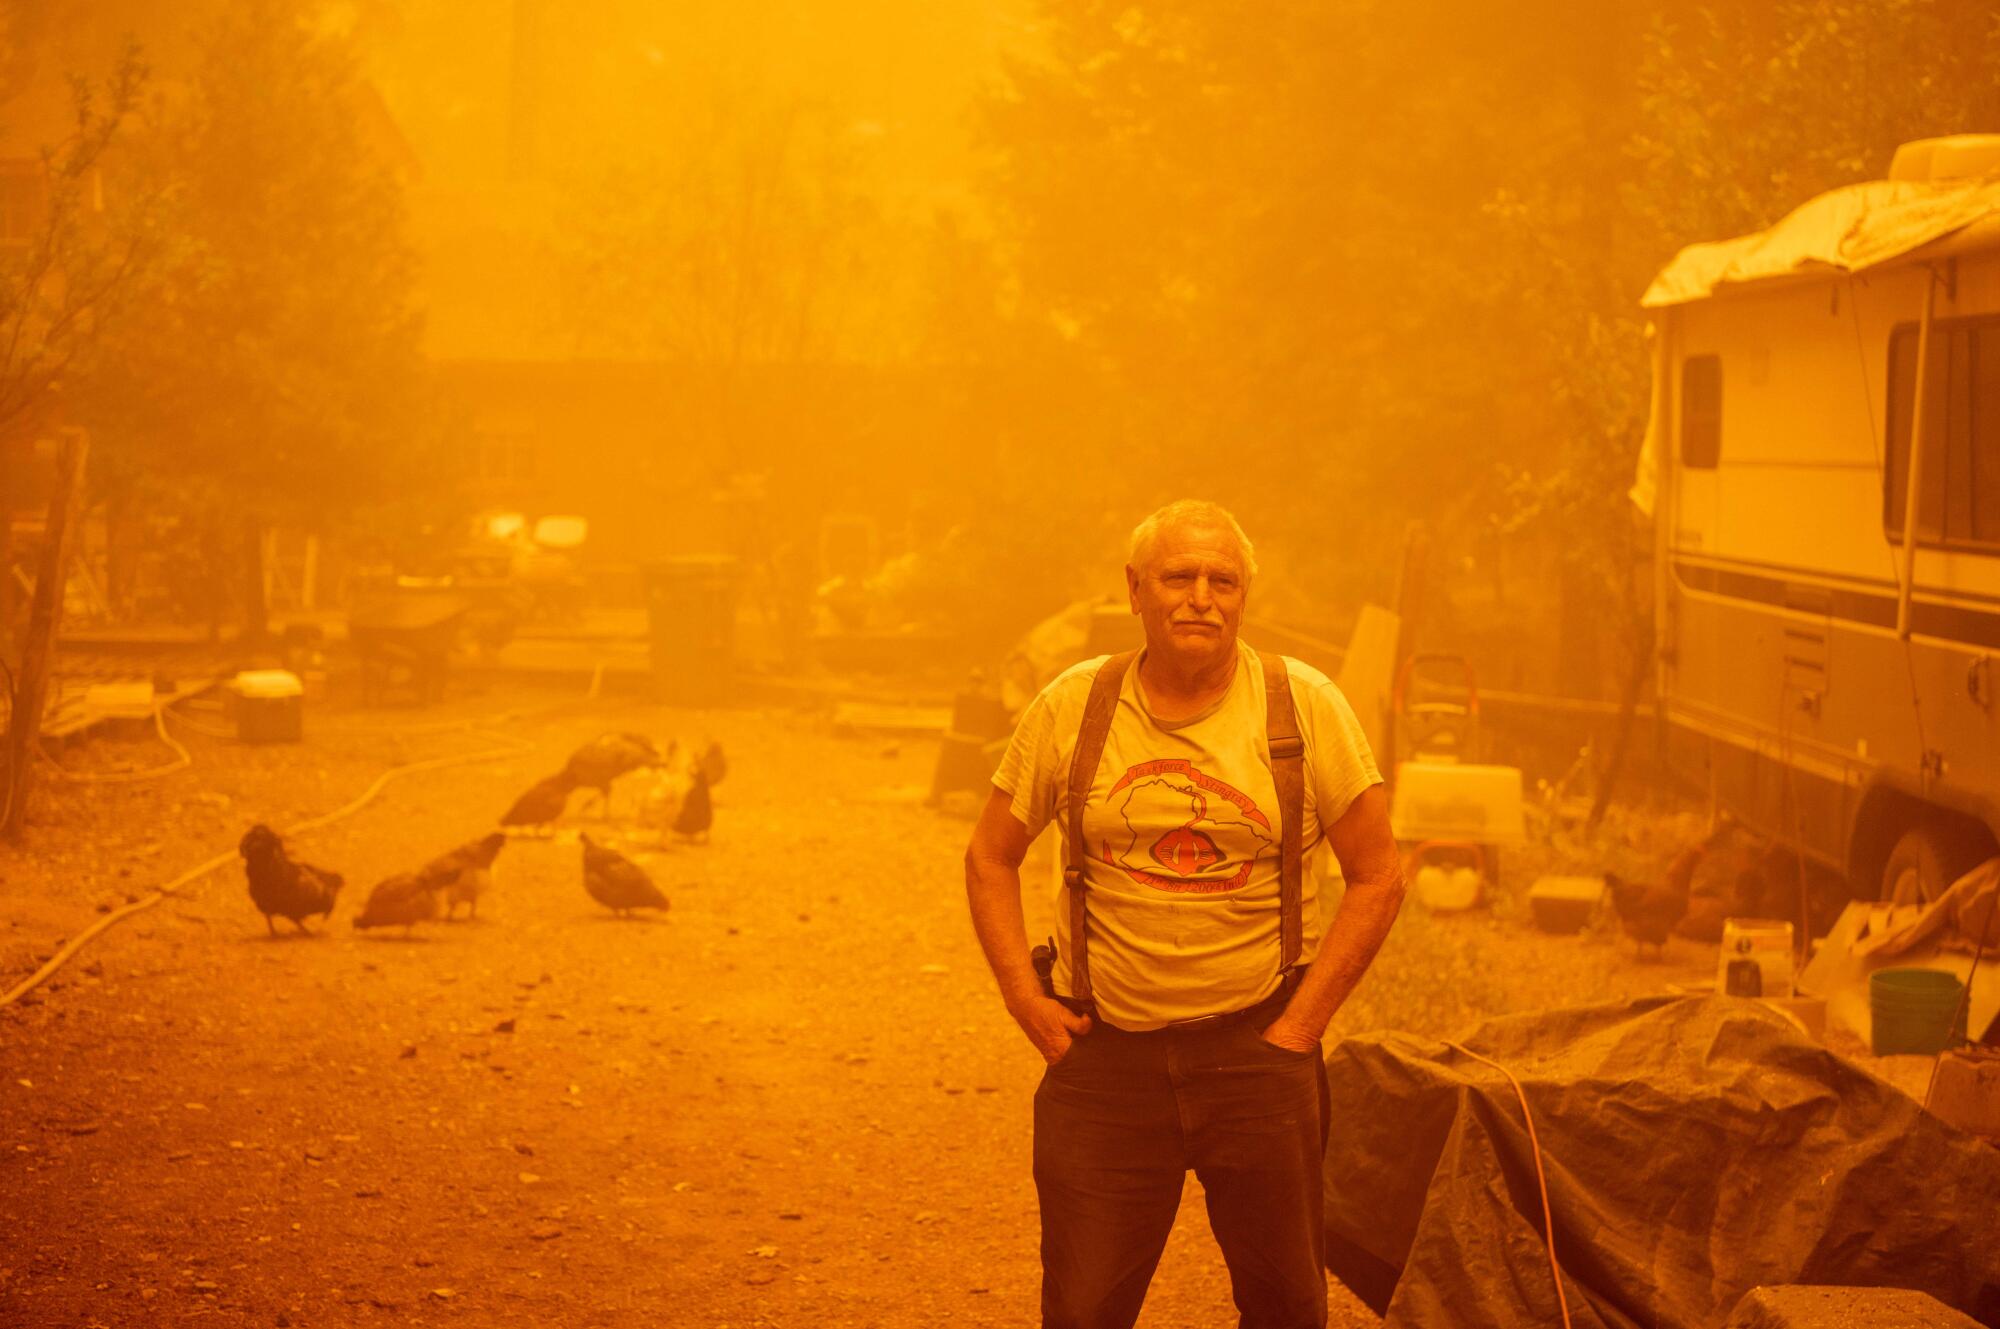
column 256, row 586
column 44, row 616
column 309, row 576
column 1412, row 586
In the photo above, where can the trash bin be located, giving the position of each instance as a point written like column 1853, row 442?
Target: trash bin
column 1915, row 1010
column 268, row 704
column 691, row 619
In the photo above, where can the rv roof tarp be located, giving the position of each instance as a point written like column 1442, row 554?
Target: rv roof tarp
column 1695, row 1148
column 1844, row 230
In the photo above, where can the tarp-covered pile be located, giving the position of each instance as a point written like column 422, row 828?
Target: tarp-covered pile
column 1848, row 229
column 1695, row 1148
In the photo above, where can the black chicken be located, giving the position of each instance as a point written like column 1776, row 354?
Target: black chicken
column 1649, row 910
column 542, row 804
column 281, row 886
column 697, row 810
column 464, row 873
column 616, row 882
column 713, row 763
column 604, row 758
column 403, row 900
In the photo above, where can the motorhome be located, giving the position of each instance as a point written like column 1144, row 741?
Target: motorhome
column 1828, row 629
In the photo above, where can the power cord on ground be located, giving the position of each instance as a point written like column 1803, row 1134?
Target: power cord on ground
column 1541, row 1178
column 182, row 760
column 512, row 747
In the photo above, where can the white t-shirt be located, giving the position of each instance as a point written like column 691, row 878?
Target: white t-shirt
column 1181, row 836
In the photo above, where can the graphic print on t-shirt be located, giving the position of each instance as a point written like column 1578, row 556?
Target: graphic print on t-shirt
column 1185, row 830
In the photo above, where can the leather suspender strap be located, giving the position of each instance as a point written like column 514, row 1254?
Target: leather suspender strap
column 1090, row 738
column 1281, row 730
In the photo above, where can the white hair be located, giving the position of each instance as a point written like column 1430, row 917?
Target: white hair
column 1190, row 512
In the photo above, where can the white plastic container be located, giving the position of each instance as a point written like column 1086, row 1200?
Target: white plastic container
column 561, row 532
column 1437, row 800
column 1756, row 959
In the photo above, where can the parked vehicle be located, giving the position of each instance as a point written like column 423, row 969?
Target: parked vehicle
column 1827, row 640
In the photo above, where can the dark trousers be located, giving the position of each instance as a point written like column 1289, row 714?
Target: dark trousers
column 1118, row 1123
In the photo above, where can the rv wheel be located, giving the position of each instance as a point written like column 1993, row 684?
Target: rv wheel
column 1929, row 858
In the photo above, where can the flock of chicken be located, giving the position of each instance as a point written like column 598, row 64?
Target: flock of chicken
column 676, row 798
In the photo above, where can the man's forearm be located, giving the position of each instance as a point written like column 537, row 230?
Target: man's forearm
column 1359, row 927
column 993, row 894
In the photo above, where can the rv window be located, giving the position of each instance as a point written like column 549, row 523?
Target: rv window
column 1960, row 500
column 1701, row 411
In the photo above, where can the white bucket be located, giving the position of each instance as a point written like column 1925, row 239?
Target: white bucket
column 1756, row 953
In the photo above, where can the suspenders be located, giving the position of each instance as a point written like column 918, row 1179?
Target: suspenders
column 1281, row 731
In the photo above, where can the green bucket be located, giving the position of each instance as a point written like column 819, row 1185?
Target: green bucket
column 1912, row 1010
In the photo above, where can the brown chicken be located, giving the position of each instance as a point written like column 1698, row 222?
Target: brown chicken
column 403, row 900
column 281, row 886
column 464, row 874
column 541, row 805
column 604, row 758
column 616, row 882
column 1649, row 910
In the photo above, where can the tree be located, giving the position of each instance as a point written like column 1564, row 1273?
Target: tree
column 741, row 237
column 1352, row 264
column 273, row 374
column 57, row 284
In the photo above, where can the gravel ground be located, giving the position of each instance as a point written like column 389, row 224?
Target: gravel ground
column 794, row 1099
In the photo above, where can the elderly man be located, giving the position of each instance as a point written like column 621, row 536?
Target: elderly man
column 1190, row 987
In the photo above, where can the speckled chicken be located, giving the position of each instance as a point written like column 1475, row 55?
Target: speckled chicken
column 541, row 805
column 616, row 882
column 403, row 900
column 464, row 874
column 604, row 758
column 280, row 885
column 1649, row 910
column 677, row 798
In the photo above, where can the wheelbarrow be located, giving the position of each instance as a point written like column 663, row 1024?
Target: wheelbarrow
column 404, row 631
column 1455, row 811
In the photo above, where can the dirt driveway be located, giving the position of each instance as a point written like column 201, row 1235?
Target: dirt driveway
column 792, row 1100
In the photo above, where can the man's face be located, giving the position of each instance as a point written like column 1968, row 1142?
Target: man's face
column 1190, row 594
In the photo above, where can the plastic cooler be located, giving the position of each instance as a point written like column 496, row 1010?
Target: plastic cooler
column 1564, row 904
column 1437, row 800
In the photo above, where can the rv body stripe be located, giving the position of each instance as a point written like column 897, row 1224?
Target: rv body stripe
column 1833, row 581
column 1948, row 624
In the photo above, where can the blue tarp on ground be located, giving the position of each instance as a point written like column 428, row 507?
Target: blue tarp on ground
column 1695, row 1148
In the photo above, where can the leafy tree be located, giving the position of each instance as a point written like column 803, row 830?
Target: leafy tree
column 65, row 277
column 1353, row 264
column 272, row 372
